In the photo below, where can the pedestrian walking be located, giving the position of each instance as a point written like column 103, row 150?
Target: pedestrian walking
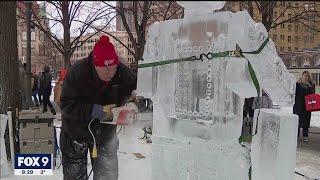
column 45, row 89
column 304, row 87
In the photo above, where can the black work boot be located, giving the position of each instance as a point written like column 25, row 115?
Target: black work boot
column 53, row 111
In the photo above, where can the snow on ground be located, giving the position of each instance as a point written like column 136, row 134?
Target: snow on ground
column 130, row 167
column 308, row 155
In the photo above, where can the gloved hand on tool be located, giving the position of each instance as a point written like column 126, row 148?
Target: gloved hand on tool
column 97, row 112
column 103, row 113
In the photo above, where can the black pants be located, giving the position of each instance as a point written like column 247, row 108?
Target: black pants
column 74, row 158
column 305, row 132
column 40, row 98
column 46, row 102
column 304, row 122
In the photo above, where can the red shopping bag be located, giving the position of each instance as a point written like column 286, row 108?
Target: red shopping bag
column 313, row 102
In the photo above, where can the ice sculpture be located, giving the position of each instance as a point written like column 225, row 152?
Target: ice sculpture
column 198, row 105
column 273, row 153
column 3, row 162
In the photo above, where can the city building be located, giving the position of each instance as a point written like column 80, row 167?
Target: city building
column 124, row 54
column 40, row 56
column 292, row 36
column 304, row 60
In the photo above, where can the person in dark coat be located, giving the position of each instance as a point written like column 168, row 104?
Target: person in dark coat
column 35, row 89
column 91, row 84
column 247, row 108
column 39, row 93
column 247, row 111
column 304, row 87
column 45, row 89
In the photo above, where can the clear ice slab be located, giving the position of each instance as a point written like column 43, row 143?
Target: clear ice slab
column 3, row 161
column 198, row 105
column 273, row 148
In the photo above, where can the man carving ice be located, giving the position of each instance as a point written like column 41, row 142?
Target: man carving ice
column 91, row 83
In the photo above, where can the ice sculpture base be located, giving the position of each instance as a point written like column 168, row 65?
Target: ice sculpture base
column 197, row 159
column 273, row 148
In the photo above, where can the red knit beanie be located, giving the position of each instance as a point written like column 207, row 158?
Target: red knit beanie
column 104, row 53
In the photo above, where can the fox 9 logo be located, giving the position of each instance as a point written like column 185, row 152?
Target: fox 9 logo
column 33, row 161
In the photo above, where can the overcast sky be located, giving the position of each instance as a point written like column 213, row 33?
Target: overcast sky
column 85, row 12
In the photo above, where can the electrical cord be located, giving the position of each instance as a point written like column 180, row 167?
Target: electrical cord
column 94, row 150
column 94, row 153
column 58, row 151
column 305, row 176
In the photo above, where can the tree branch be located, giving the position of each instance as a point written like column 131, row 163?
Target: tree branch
column 58, row 7
column 135, row 16
column 124, row 21
column 167, row 10
column 174, row 13
column 312, row 28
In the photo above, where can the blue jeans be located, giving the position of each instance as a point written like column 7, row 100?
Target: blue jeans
column 34, row 95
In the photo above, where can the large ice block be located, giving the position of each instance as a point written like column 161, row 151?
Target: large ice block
column 3, row 161
column 198, row 105
column 273, row 148
column 175, row 159
column 215, row 32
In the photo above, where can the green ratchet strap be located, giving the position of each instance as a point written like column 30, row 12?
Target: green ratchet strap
column 236, row 53
column 159, row 63
column 253, row 77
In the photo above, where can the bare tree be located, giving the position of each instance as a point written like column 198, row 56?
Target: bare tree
column 142, row 14
column 306, row 13
column 10, row 95
column 66, row 14
column 51, row 54
column 9, row 80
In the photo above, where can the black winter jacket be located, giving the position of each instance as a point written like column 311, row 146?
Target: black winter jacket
column 82, row 88
column 299, row 107
column 45, row 83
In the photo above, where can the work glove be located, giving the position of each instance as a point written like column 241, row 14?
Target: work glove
column 97, row 112
column 103, row 113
